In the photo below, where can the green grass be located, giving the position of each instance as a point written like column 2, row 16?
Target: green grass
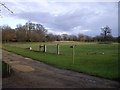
column 94, row 63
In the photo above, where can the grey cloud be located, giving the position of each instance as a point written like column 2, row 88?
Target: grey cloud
column 87, row 18
column 43, row 17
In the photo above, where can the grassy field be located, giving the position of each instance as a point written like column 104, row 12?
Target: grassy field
column 91, row 58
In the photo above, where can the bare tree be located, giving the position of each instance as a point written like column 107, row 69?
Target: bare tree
column 65, row 37
column 50, row 37
column 106, row 31
column 21, row 33
column 58, row 38
column 8, row 34
column 81, row 37
column 35, row 32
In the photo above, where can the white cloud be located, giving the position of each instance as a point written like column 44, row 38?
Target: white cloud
column 11, row 21
column 58, row 32
column 79, row 30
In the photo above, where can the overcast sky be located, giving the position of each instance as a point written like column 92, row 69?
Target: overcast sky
column 63, row 17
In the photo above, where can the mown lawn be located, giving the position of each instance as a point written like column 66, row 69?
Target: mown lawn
column 91, row 58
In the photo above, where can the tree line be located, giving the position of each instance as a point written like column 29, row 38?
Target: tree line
column 31, row 32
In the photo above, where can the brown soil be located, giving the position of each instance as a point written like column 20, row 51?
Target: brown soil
column 29, row 73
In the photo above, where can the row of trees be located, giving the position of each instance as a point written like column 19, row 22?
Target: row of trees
column 31, row 32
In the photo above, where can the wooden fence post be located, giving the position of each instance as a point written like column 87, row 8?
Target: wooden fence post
column 39, row 48
column 44, row 48
column 73, row 54
column 58, row 49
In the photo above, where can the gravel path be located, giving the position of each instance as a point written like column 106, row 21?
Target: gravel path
column 29, row 73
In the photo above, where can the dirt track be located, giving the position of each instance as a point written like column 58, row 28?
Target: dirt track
column 29, row 73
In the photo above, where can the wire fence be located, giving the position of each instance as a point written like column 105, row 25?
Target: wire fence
column 65, row 49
